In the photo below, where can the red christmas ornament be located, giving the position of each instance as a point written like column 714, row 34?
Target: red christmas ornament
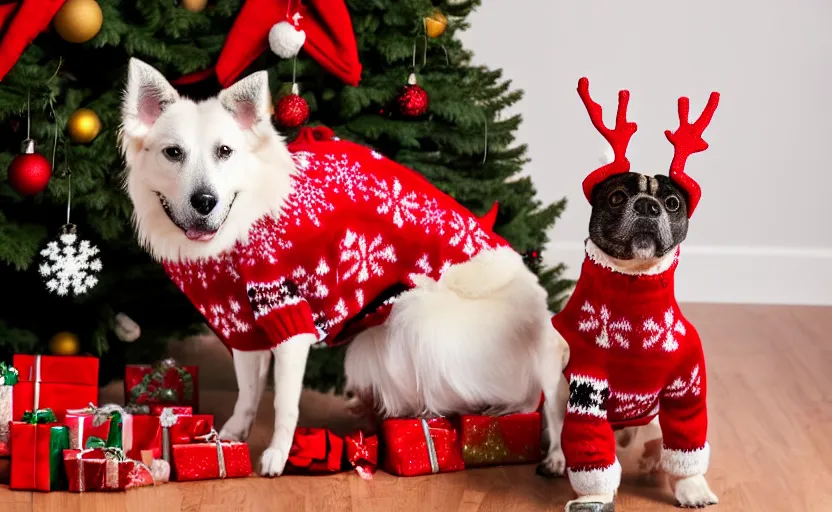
column 412, row 100
column 29, row 172
column 291, row 110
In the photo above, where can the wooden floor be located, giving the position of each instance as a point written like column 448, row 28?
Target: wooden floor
column 770, row 402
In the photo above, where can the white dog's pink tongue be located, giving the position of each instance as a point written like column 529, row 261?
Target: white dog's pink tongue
column 199, row 236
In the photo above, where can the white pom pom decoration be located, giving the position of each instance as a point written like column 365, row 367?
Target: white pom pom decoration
column 285, row 40
column 160, row 470
column 126, row 328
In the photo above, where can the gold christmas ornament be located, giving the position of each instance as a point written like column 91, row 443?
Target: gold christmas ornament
column 435, row 24
column 64, row 344
column 83, row 126
column 78, row 21
column 194, row 5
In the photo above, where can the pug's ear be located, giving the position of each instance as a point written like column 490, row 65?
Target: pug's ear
column 248, row 100
column 146, row 97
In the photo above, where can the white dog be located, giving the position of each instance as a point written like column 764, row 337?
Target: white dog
column 216, row 192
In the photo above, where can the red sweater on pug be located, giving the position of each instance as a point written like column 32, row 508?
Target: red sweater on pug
column 353, row 232
column 632, row 356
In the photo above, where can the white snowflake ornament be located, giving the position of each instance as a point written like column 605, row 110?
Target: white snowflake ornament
column 70, row 266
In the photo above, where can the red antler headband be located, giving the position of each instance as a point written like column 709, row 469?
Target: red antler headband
column 686, row 140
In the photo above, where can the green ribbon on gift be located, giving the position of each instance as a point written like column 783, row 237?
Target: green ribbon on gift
column 58, row 442
column 110, row 452
column 8, row 374
column 158, row 392
column 39, row 416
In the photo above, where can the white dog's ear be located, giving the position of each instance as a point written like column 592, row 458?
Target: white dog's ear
column 146, row 97
column 249, row 100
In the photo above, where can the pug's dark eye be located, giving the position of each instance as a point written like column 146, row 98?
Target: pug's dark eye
column 223, row 152
column 672, row 203
column 617, row 198
column 173, row 153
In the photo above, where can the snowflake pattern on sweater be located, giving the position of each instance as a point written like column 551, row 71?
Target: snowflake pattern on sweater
column 355, row 225
column 633, row 356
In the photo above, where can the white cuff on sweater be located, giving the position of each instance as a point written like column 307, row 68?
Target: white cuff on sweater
column 596, row 481
column 685, row 463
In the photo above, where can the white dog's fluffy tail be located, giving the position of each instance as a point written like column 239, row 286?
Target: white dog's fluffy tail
column 467, row 341
column 483, row 275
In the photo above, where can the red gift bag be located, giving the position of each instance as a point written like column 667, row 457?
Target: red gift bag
column 420, row 447
column 164, row 384
column 54, row 382
column 315, row 450
column 495, row 440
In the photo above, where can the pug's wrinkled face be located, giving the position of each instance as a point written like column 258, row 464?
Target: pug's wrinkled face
column 638, row 217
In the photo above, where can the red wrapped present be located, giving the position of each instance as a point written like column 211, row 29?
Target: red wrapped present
column 165, row 383
column 362, row 453
column 131, row 433
column 104, row 469
column 420, row 447
column 37, row 445
column 93, row 421
column 210, row 459
column 8, row 378
column 315, row 450
column 54, row 382
column 182, row 429
column 495, row 440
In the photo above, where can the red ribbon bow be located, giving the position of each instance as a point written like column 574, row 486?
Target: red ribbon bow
column 187, row 429
column 362, row 453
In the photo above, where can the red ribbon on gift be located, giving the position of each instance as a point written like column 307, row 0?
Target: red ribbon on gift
column 362, row 453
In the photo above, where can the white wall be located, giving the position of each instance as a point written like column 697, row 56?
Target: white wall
column 762, row 232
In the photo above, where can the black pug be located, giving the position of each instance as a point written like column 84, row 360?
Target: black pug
column 635, row 361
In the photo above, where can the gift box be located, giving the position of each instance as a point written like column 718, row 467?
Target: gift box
column 145, row 435
column 362, row 453
column 37, row 445
column 54, row 382
column 108, row 422
column 182, row 429
column 495, row 440
column 162, row 384
column 8, row 378
column 421, row 447
column 315, row 450
column 210, row 459
column 104, row 469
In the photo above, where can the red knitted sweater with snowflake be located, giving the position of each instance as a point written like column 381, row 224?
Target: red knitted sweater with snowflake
column 354, row 230
column 632, row 356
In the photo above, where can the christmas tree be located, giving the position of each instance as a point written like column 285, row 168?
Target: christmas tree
column 464, row 143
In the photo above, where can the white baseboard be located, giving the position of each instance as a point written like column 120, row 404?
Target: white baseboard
column 736, row 274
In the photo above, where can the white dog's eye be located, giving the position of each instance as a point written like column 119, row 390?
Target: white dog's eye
column 223, row 152
column 173, row 153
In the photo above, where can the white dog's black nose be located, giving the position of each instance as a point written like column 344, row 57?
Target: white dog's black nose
column 203, row 202
column 647, row 207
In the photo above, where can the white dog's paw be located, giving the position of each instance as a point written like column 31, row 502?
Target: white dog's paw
column 594, row 503
column 273, row 462
column 553, row 465
column 693, row 492
column 236, row 428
